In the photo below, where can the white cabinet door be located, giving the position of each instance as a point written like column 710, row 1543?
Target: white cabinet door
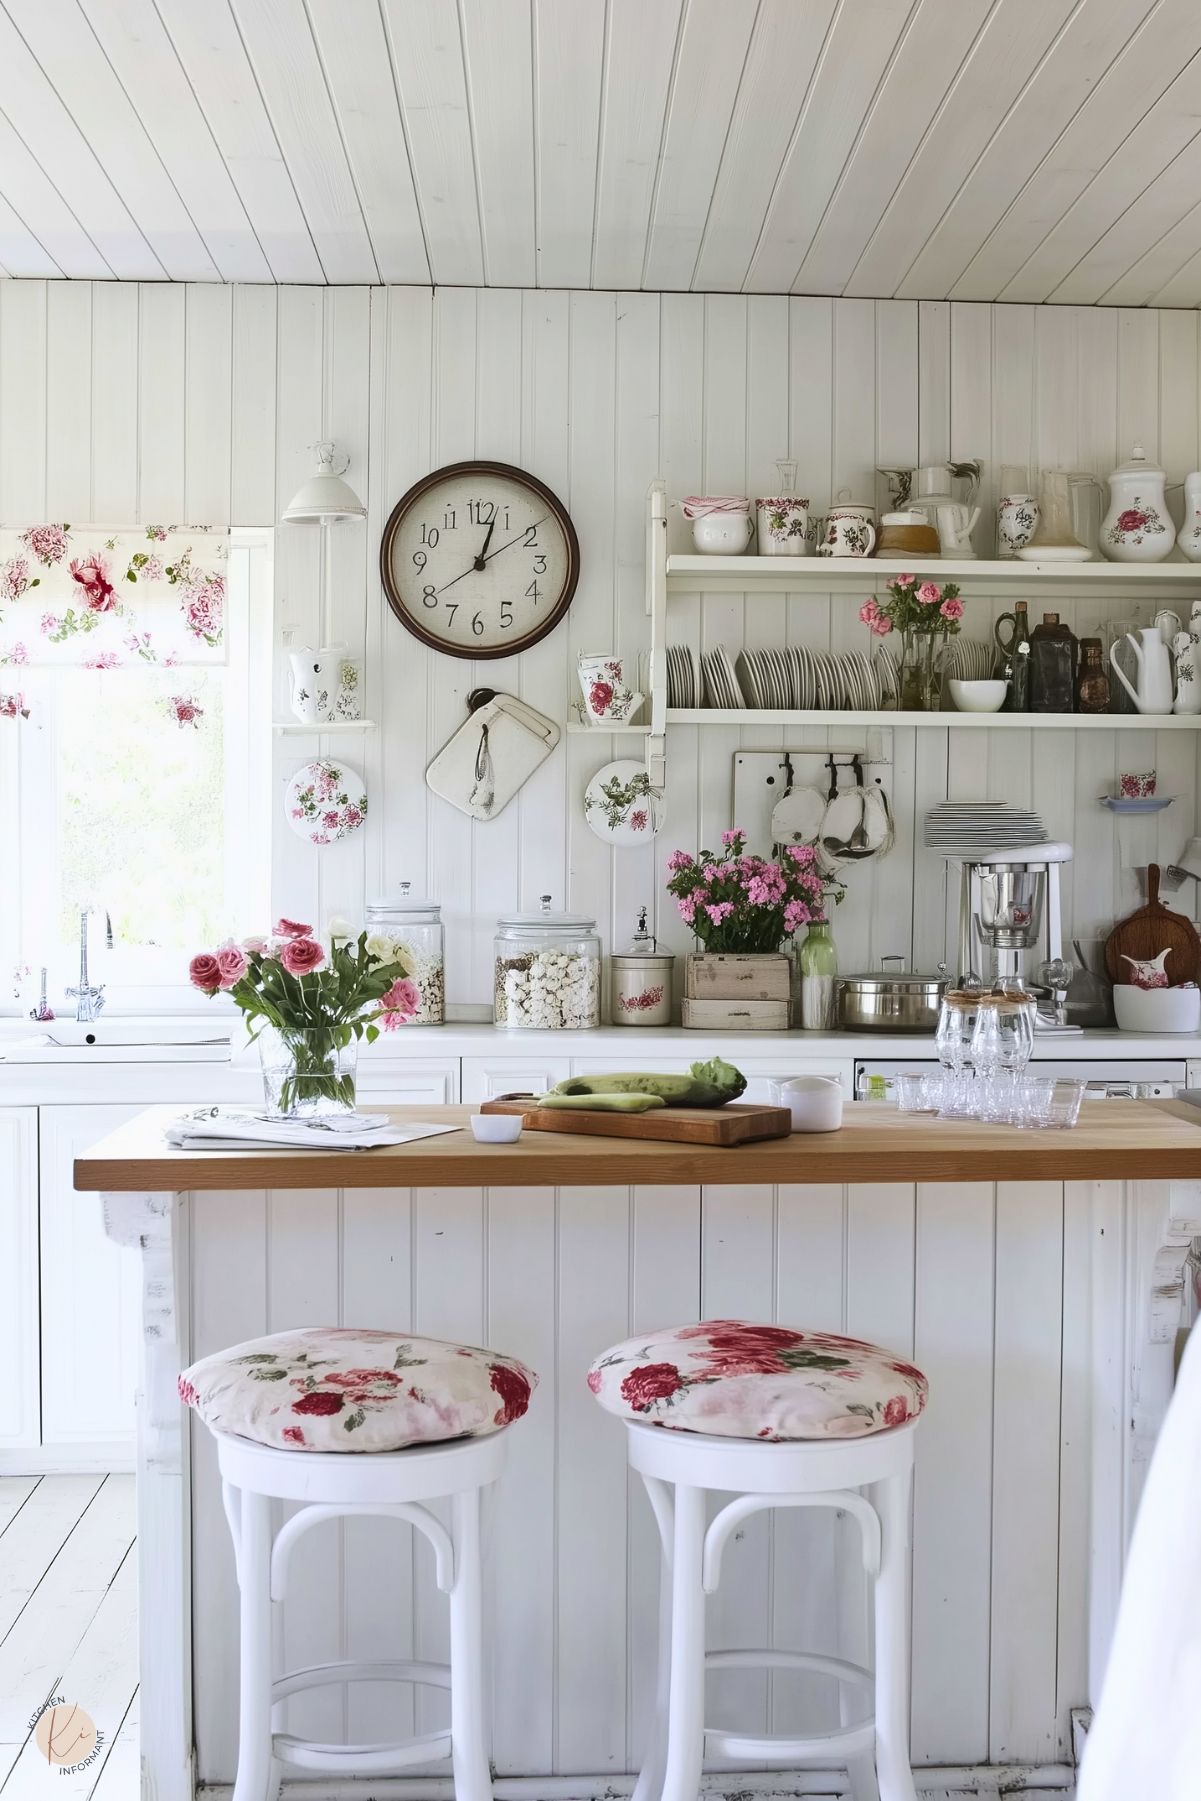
column 396, row 1084
column 89, row 1289
column 18, row 1276
column 484, row 1078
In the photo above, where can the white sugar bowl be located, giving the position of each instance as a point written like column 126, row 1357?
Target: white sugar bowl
column 721, row 523
column 1137, row 528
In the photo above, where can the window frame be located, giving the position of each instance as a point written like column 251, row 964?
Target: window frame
column 140, row 981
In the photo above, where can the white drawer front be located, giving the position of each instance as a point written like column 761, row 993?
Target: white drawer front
column 485, row 1078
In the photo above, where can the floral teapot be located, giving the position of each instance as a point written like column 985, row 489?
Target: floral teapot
column 1137, row 528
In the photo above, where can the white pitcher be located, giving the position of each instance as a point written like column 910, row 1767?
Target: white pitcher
column 1188, row 673
column 1189, row 535
column 315, row 679
column 956, row 523
column 1154, row 691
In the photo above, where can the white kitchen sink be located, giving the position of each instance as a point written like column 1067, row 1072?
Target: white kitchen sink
column 117, row 1040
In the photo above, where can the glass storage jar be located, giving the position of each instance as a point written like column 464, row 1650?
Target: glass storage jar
column 408, row 930
column 547, row 970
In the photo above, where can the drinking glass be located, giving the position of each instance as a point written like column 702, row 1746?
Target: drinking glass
column 915, row 1093
column 953, row 1040
column 1063, row 1109
column 1032, row 1101
column 1006, row 1041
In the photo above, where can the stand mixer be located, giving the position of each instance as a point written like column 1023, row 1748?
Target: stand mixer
column 1009, row 907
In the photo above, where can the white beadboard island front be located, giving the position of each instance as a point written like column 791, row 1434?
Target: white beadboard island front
column 1041, row 1309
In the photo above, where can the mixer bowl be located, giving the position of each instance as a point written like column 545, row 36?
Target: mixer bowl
column 1011, row 905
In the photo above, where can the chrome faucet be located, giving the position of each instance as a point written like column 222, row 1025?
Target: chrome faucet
column 88, row 999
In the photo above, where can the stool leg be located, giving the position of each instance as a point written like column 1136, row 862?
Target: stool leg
column 473, row 1778
column 891, row 1500
column 686, row 1706
column 650, row 1777
column 254, row 1780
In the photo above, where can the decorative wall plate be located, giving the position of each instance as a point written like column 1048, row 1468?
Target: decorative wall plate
column 325, row 801
column 621, row 806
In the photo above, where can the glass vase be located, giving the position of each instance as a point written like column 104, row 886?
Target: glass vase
column 819, row 979
column 922, row 657
column 307, row 1073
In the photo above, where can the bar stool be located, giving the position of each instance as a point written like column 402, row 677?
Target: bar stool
column 781, row 1419
column 288, row 1414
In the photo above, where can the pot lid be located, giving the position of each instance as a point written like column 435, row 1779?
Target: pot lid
column 1139, row 464
column 642, row 946
column 884, row 978
column 543, row 917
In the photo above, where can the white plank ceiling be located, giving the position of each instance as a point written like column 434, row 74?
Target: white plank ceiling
column 1021, row 150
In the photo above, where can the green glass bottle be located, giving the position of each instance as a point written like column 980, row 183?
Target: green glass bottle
column 819, row 972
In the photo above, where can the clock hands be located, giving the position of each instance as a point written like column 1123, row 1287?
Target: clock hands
column 485, row 556
column 482, row 558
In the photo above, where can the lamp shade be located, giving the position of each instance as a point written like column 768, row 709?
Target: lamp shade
column 325, row 496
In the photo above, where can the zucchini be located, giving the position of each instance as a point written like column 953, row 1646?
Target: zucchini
column 709, row 1085
column 622, row 1102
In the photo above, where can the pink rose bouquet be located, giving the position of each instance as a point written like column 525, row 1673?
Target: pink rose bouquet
column 745, row 905
column 914, row 603
column 315, row 997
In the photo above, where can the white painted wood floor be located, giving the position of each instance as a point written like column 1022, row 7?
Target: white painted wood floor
column 68, row 1626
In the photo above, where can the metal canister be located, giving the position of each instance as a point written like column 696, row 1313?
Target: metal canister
column 641, row 981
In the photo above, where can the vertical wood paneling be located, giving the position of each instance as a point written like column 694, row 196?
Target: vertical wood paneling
column 252, row 455
column 24, row 419
column 115, row 403
column 69, row 352
column 209, row 404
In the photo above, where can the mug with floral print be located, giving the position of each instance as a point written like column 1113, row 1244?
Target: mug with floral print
column 734, row 1379
column 336, row 1388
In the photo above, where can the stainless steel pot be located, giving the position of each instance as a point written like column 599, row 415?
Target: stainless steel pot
column 891, row 999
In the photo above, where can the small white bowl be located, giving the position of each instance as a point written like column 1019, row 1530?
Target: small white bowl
column 978, row 697
column 496, row 1128
column 1156, row 1009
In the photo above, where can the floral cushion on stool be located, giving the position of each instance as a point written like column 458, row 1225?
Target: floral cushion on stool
column 336, row 1388
column 736, row 1380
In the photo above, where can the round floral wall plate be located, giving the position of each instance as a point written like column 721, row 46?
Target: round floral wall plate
column 325, row 801
column 621, row 806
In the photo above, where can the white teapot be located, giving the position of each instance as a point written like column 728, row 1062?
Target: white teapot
column 955, row 525
column 1137, row 528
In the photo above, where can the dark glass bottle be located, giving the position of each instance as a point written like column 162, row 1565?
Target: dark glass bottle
column 1015, row 646
column 1092, row 682
column 1052, row 666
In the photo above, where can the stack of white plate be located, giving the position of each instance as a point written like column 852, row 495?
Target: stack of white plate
column 958, row 828
column 684, row 686
column 971, row 660
column 721, row 683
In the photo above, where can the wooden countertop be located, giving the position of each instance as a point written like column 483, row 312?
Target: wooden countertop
column 1114, row 1139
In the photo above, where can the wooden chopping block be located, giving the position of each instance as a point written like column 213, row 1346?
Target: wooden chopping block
column 1148, row 931
column 735, row 1123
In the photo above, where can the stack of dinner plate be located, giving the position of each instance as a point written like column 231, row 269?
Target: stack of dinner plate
column 684, row 686
column 958, row 828
column 971, row 660
column 721, row 683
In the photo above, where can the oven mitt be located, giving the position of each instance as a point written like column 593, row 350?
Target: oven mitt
column 498, row 748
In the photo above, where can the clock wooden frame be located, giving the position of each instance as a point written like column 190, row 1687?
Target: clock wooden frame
column 473, row 466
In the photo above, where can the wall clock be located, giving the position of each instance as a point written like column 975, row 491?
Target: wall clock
column 479, row 560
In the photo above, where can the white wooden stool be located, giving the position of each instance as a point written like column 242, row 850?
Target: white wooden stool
column 759, row 1387
column 353, row 1424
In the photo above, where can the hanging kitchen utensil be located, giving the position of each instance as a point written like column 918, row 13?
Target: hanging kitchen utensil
column 492, row 754
column 857, row 822
column 1150, row 930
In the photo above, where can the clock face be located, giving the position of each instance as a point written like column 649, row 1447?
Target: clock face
column 479, row 560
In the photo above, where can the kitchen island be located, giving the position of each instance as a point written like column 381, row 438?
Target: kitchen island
column 1035, row 1276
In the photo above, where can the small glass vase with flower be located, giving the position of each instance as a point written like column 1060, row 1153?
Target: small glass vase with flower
column 927, row 616
column 307, row 1006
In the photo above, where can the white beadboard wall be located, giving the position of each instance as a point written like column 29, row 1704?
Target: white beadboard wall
column 198, row 402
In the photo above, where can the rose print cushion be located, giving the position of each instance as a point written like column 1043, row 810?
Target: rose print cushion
column 334, row 1388
column 735, row 1380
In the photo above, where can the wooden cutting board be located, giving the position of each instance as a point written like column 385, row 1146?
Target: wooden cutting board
column 735, row 1123
column 1148, row 931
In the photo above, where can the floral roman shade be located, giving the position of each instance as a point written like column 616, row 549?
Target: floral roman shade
column 105, row 597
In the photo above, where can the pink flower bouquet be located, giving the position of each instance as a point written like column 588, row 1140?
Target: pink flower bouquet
column 744, row 905
column 312, row 1002
column 914, row 604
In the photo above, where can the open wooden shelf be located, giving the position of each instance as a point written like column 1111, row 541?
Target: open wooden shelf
column 1023, row 722
column 862, row 575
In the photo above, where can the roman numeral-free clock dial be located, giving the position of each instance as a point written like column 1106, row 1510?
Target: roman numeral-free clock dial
column 479, row 560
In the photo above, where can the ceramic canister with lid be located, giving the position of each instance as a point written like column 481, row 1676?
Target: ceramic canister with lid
column 641, row 981
column 410, row 931
column 547, row 970
column 1137, row 528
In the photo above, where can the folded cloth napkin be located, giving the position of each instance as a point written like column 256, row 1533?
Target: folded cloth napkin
column 231, row 1128
column 1143, row 1742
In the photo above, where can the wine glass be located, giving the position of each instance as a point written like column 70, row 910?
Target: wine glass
column 953, row 1041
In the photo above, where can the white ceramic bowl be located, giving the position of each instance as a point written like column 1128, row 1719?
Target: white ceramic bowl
column 1157, row 1009
column 978, row 697
column 496, row 1128
column 815, row 1102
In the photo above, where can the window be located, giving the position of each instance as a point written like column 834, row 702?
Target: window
column 142, row 791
